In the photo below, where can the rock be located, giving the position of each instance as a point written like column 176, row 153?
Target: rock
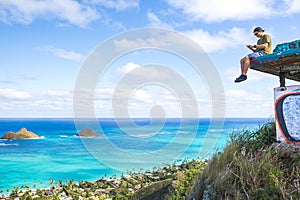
column 9, row 135
column 22, row 134
column 87, row 132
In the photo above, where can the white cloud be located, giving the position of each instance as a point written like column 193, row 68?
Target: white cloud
column 138, row 101
column 218, row 10
column 53, row 99
column 52, row 103
column 11, row 94
column 104, row 94
column 152, row 73
column 69, row 55
column 127, row 68
column 26, row 12
column 219, row 41
column 79, row 13
column 119, row 5
column 143, row 96
column 154, row 21
column 155, row 38
column 210, row 42
column 137, row 72
column 150, row 98
column 63, row 12
column 243, row 103
column 253, row 76
column 58, row 94
column 61, row 53
column 292, row 7
column 243, row 96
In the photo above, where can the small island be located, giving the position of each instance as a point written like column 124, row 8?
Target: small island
column 22, row 134
column 88, row 133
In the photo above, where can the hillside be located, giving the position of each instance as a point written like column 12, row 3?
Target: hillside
column 252, row 166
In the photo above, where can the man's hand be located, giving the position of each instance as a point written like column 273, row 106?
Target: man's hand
column 251, row 47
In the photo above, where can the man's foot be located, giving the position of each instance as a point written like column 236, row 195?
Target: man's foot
column 241, row 78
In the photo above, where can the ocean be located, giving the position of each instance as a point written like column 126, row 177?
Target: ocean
column 123, row 146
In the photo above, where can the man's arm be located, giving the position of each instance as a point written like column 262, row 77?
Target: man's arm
column 257, row 47
column 262, row 46
column 251, row 47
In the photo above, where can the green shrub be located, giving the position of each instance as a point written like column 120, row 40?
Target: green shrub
column 251, row 167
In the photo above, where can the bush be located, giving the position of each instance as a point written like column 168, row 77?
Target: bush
column 251, row 167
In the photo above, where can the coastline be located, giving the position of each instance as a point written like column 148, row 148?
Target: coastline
column 133, row 185
column 251, row 166
column 63, row 165
column 249, row 154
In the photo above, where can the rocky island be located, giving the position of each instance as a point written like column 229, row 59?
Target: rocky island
column 22, row 134
column 87, row 132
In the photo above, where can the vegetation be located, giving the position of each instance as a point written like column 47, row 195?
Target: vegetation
column 252, row 166
column 170, row 179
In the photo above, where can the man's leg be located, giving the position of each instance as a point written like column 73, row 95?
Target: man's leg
column 245, row 63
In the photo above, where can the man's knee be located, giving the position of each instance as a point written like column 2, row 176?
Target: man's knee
column 244, row 59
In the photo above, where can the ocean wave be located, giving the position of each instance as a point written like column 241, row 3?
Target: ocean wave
column 69, row 136
column 167, row 132
column 4, row 144
column 153, row 134
column 218, row 130
column 144, row 135
column 37, row 138
column 181, row 131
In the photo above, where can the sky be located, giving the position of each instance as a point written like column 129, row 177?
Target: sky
column 44, row 45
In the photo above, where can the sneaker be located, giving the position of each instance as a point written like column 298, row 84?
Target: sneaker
column 241, row 78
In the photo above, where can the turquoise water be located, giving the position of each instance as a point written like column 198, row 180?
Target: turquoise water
column 61, row 155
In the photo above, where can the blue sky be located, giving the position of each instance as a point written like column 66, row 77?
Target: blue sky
column 44, row 44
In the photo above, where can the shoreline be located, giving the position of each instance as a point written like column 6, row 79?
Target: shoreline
column 66, row 131
column 127, row 185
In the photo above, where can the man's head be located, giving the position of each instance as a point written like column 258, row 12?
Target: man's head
column 258, row 32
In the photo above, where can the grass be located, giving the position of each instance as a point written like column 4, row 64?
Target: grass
column 251, row 167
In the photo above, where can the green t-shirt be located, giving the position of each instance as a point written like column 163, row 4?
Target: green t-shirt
column 266, row 39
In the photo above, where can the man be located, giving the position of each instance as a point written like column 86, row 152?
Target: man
column 263, row 47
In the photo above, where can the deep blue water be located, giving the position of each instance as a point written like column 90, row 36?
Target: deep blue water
column 122, row 146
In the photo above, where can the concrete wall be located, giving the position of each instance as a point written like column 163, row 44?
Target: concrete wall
column 287, row 113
